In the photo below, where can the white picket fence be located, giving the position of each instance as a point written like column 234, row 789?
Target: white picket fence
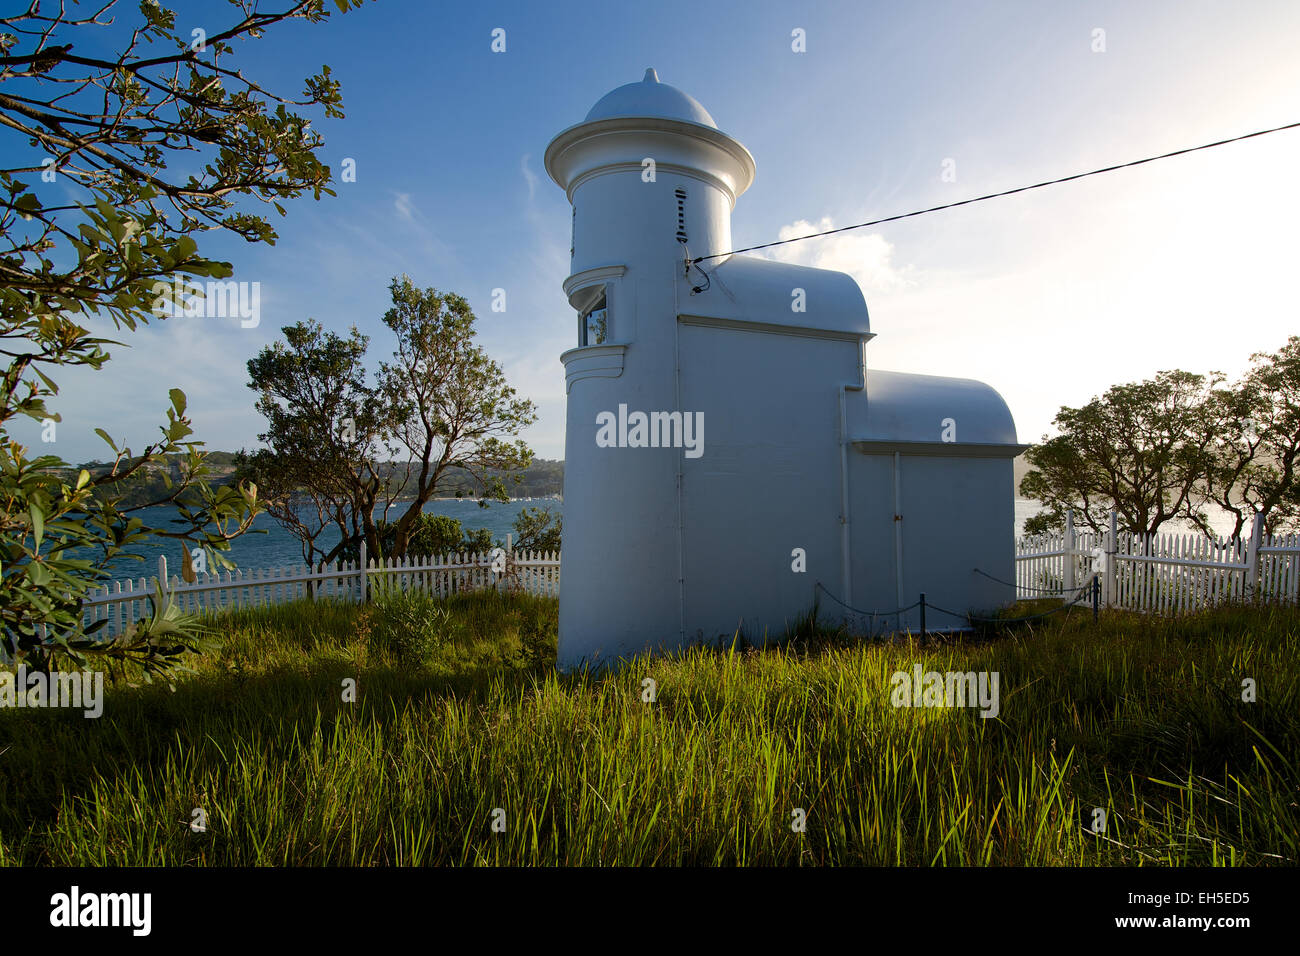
column 125, row 602
column 1162, row 573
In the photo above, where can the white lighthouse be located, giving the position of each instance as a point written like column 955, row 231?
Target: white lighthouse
column 727, row 449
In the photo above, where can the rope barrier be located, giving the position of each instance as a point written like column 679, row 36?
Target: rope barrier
column 1020, row 587
column 1014, row 620
column 855, row 610
column 1073, row 602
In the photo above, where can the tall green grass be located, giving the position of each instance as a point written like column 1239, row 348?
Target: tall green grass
column 1141, row 717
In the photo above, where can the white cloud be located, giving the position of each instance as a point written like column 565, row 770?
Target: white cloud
column 402, row 204
column 550, row 245
column 530, row 177
column 204, row 357
column 868, row 257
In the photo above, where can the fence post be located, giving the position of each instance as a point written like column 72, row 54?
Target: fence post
column 1295, row 573
column 1112, row 546
column 510, row 561
column 1069, row 552
column 363, row 565
column 1252, row 557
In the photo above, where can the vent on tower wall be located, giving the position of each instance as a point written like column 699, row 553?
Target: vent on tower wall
column 681, row 214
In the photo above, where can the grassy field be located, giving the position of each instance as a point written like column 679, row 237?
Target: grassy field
column 461, row 723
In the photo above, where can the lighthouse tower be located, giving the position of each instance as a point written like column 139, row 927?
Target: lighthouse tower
column 649, row 176
column 726, row 450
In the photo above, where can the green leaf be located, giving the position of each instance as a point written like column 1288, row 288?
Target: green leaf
column 104, row 435
column 49, row 383
column 39, row 575
column 38, row 523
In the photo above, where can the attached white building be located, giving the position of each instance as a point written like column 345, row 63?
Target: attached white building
column 765, row 435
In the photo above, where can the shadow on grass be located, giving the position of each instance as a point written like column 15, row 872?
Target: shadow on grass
column 1130, row 695
column 275, row 675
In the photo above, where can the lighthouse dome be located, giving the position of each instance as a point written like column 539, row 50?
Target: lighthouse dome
column 650, row 98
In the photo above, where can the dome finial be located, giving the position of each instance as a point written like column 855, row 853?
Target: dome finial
column 648, row 97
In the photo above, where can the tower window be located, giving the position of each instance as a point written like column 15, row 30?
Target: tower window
column 681, row 213
column 593, row 325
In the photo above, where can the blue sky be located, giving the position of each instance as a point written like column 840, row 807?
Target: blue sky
column 1049, row 296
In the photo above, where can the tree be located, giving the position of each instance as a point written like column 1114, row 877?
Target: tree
column 1254, row 459
column 442, row 405
column 537, row 529
column 320, row 468
column 153, row 150
column 431, row 535
column 1140, row 449
column 447, row 403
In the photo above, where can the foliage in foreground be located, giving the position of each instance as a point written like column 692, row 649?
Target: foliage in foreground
column 145, row 137
column 1139, row 716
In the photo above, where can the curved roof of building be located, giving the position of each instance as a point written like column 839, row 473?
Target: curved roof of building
column 906, row 408
column 753, row 289
column 651, row 98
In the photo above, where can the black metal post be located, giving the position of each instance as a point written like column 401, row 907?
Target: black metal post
column 1096, row 596
column 923, row 614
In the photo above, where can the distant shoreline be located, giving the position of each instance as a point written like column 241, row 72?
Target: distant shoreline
column 491, row 500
